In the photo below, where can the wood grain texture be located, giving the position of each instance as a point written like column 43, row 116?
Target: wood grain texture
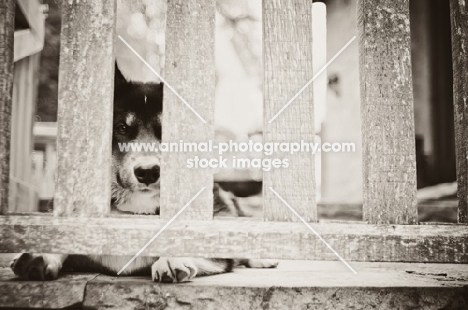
column 190, row 70
column 235, row 238
column 389, row 156
column 7, row 28
column 287, row 59
column 85, row 107
column 459, row 18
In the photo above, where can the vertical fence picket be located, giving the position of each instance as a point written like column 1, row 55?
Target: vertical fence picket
column 287, row 59
column 459, row 17
column 389, row 157
column 7, row 29
column 189, row 69
column 85, row 107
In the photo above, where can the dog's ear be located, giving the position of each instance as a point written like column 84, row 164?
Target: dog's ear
column 119, row 78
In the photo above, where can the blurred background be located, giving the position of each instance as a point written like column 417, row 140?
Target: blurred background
column 239, row 115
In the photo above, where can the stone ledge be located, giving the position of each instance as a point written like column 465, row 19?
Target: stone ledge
column 293, row 285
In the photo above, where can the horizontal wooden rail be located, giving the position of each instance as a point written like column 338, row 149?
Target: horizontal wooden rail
column 229, row 238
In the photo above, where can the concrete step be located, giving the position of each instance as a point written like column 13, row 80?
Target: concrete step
column 293, row 285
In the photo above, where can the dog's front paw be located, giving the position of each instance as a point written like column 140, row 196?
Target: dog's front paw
column 36, row 267
column 262, row 263
column 173, row 269
column 257, row 263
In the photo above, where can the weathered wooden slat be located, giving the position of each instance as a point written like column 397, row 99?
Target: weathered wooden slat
column 190, row 70
column 235, row 238
column 85, row 107
column 388, row 145
column 287, row 58
column 459, row 17
column 7, row 29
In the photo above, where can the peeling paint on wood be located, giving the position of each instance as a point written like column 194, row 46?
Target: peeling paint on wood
column 459, row 17
column 7, row 28
column 287, row 60
column 388, row 144
column 85, row 108
column 190, row 69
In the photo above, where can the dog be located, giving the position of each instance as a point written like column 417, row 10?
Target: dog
column 136, row 189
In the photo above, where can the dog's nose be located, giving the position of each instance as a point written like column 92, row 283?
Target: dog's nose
column 147, row 175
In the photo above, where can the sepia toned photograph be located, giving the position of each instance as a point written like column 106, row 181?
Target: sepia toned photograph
column 234, row 154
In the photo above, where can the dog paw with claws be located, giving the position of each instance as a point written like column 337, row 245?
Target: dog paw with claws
column 36, row 267
column 172, row 270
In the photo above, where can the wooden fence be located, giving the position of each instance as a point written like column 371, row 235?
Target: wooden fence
column 81, row 216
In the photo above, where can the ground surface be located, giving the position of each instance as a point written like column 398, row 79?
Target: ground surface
column 293, row 285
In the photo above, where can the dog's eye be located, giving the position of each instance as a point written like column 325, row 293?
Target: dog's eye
column 121, row 128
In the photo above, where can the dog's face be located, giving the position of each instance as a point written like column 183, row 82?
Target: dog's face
column 137, row 120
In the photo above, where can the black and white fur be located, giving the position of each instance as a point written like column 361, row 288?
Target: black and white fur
column 135, row 189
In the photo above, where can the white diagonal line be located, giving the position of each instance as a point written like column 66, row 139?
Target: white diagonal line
column 162, row 79
column 313, row 230
column 160, row 231
column 313, row 78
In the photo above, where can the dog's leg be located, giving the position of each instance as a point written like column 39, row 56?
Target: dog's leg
column 38, row 266
column 182, row 269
